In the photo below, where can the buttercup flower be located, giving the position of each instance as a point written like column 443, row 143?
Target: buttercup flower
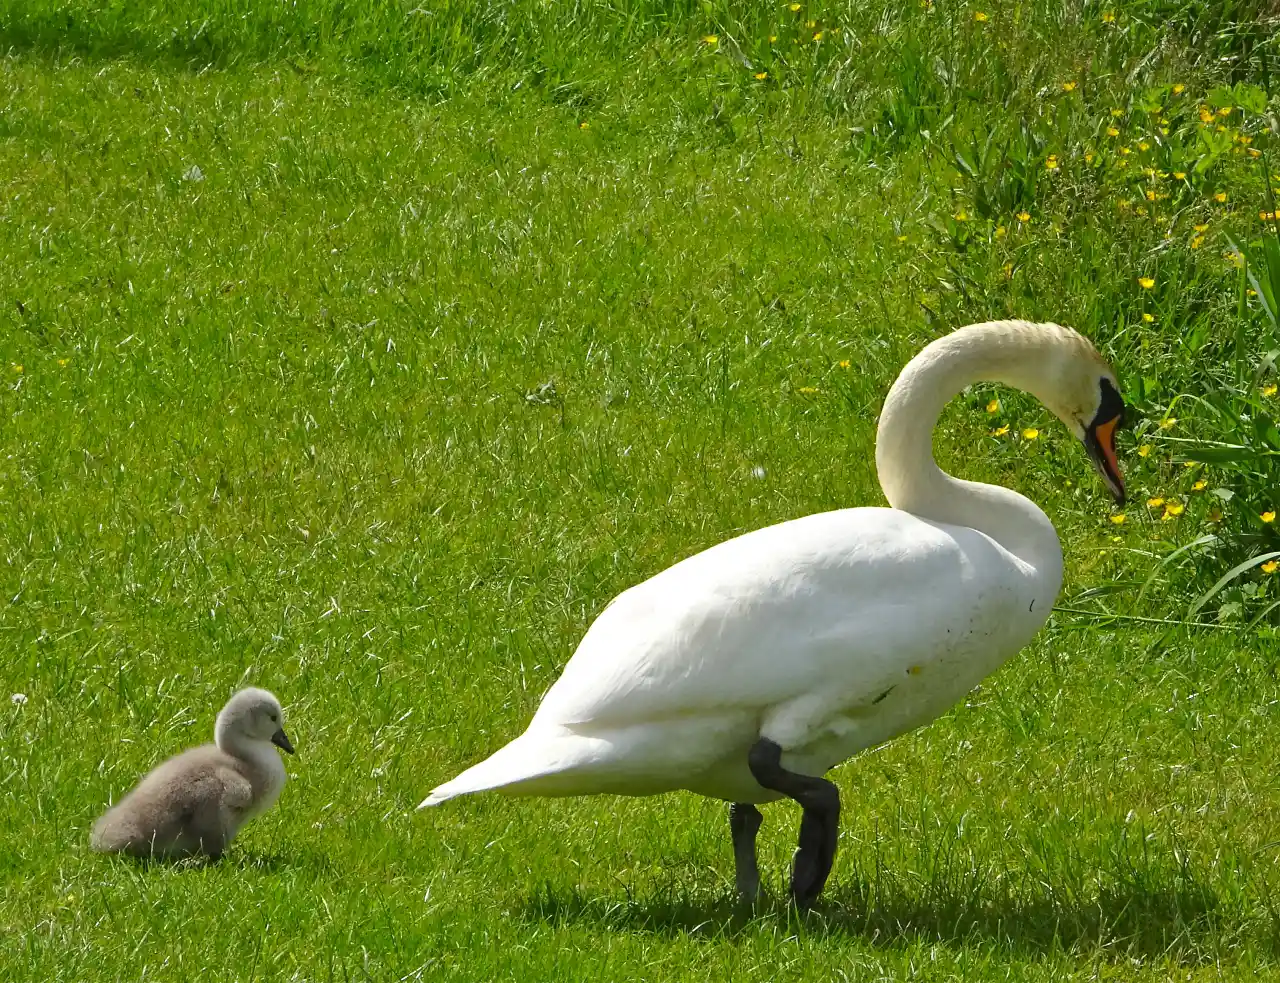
column 1146, row 282
column 1000, row 431
column 1268, row 516
column 1031, row 433
column 993, row 406
column 1144, row 450
column 1154, row 503
column 1270, row 566
column 1118, row 519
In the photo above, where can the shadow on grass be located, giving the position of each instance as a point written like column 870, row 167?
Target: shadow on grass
column 1186, row 923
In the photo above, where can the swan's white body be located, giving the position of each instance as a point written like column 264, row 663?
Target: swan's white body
column 827, row 634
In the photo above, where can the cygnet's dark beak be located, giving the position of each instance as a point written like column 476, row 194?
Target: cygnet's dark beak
column 281, row 740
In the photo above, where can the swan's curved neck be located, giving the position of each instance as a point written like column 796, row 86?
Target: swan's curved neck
column 1011, row 352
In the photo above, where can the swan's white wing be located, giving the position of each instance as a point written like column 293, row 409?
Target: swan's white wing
column 827, row 634
column 847, row 600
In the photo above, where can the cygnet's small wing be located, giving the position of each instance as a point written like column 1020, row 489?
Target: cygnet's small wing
column 180, row 808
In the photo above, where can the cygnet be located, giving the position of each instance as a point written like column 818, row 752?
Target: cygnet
column 195, row 803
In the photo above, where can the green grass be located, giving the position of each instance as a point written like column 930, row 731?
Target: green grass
column 380, row 406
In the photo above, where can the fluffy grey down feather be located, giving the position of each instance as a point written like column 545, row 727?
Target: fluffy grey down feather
column 192, row 804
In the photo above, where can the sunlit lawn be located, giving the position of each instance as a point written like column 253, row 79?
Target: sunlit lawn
column 368, row 367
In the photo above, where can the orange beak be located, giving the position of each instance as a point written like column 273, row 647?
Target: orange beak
column 1100, row 442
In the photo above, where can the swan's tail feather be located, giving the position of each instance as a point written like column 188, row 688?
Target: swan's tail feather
column 520, row 768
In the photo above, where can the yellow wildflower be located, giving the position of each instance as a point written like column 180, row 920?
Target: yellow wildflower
column 817, row 36
column 902, row 238
column 1126, row 151
column 807, row 389
column 1268, row 516
column 1068, row 87
column 962, row 216
column 1179, row 88
column 1088, row 157
column 1024, row 216
column 1031, row 433
column 793, row 7
column 1001, row 231
column 17, row 368
column 1146, row 283
column 710, row 39
column 1224, row 111
column 1206, row 114
column 1179, row 175
column 1199, row 485
column 1144, row 450
column 993, row 406
column 1112, row 131
column 584, row 125
column 1000, row 431
column 1168, row 422
column 63, row 361
column 811, row 24
column 1108, row 17
column 1270, row 566
column 773, row 38
column 979, row 16
column 1201, row 228
column 1173, row 509
column 1255, row 152
column 1269, row 389
column 1154, row 503
column 761, row 76
column 1117, row 113
column 1197, row 241
column 844, row 363
column 1118, row 519
column 1051, row 162
column 1148, row 318
column 1144, row 146
column 1220, row 197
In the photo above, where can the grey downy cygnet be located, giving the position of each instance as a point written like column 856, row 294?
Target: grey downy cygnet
column 195, row 803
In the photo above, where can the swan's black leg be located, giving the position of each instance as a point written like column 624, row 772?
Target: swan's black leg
column 744, row 823
column 820, row 827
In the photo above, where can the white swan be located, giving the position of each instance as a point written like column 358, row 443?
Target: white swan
column 747, row 671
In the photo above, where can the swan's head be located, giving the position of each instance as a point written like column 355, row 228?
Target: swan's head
column 252, row 715
column 1083, row 394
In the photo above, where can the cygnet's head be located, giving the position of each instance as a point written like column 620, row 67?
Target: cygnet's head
column 252, row 715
